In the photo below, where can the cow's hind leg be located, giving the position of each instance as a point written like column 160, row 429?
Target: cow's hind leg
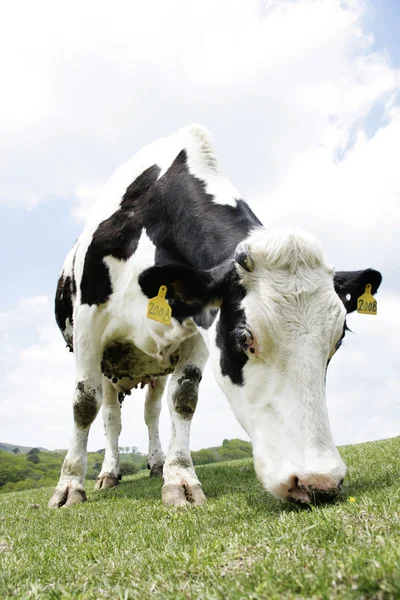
column 152, row 409
column 181, row 484
column 111, row 410
column 86, row 403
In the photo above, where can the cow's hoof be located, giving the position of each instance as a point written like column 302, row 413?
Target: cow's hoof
column 181, row 495
column 105, row 481
column 157, row 470
column 66, row 497
column 195, row 494
column 173, row 495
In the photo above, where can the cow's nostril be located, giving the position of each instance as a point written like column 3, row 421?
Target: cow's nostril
column 293, row 483
column 296, row 492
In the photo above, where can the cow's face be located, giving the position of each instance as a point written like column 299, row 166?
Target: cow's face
column 282, row 318
column 292, row 323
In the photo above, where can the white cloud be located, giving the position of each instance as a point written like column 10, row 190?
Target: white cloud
column 290, row 91
column 352, row 205
column 36, row 385
column 84, row 88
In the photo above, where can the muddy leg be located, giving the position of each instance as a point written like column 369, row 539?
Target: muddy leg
column 86, row 403
column 181, row 484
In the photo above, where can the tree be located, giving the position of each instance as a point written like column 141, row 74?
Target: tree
column 33, row 451
column 33, row 458
column 16, row 450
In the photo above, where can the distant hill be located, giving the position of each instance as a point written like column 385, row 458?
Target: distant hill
column 22, row 449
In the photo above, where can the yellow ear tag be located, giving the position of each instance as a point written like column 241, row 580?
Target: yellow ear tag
column 158, row 308
column 366, row 304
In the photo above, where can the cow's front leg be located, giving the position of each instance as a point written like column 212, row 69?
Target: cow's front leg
column 111, row 409
column 86, row 403
column 181, row 484
column 152, row 409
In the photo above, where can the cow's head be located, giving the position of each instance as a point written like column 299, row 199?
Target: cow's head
column 282, row 317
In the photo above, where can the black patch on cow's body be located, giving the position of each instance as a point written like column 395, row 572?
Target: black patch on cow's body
column 231, row 317
column 73, row 280
column 64, row 305
column 185, row 223
column 63, row 301
column 117, row 236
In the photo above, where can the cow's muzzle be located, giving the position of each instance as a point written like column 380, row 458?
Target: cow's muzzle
column 313, row 490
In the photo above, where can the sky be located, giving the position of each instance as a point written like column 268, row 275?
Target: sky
column 302, row 98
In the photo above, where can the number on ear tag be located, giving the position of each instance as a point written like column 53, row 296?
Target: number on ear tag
column 158, row 308
column 366, row 304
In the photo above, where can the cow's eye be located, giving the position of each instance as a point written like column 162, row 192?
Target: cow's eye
column 338, row 344
column 243, row 338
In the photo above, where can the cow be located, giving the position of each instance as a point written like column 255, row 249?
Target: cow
column 262, row 303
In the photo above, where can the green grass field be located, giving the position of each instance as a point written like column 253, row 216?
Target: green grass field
column 242, row 544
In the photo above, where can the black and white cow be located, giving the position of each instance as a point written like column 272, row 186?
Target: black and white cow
column 264, row 304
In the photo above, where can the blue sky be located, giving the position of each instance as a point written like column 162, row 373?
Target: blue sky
column 383, row 20
column 35, row 243
column 303, row 106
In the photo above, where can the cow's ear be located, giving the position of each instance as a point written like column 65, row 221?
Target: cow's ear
column 188, row 290
column 350, row 285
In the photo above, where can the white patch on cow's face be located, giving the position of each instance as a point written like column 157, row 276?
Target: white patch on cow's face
column 296, row 320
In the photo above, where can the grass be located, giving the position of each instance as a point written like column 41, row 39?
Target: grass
column 123, row 544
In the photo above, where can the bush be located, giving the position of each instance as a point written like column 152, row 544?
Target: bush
column 128, row 468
